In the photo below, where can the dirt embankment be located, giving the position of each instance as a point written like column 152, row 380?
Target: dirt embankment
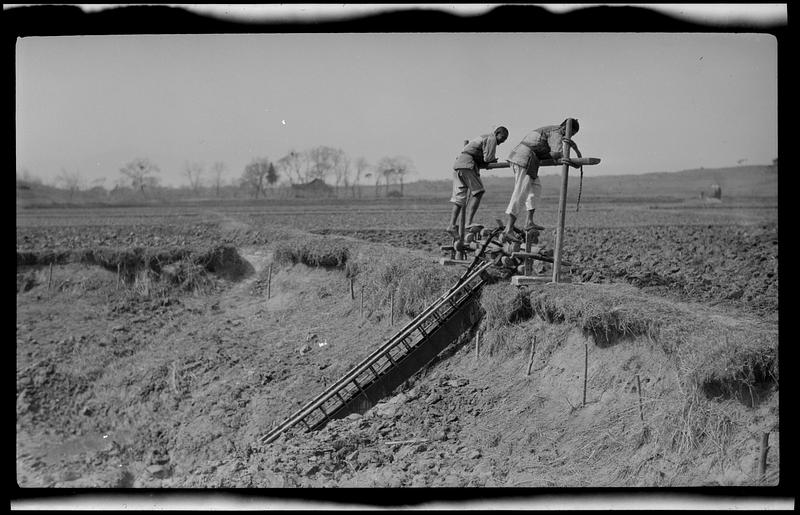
column 552, row 398
column 727, row 265
column 172, row 387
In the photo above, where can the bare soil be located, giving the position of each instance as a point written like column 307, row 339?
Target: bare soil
column 149, row 386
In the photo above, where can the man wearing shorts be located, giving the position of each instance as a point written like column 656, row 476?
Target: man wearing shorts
column 476, row 154
column 543, row 143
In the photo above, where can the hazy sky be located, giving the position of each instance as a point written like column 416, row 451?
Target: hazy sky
column 646, row 102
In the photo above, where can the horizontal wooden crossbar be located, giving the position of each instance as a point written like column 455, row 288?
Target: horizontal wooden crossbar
column 580, row 161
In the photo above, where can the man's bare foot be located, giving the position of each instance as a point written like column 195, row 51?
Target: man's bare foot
column 508, row 235
column 474, row 227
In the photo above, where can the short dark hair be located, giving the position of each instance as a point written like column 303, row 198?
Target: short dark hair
column 575, row 126
column 501, row 128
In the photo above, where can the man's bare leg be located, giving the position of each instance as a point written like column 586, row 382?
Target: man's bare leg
column 529, row 223
column 508, row 233
column 452, row 229
column 473, row 207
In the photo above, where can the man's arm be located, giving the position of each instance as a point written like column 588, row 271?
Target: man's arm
column 489, row 149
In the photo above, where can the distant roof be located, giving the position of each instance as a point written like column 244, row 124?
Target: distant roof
column 315, row 184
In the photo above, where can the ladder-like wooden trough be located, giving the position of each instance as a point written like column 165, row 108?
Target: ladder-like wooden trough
column 404, row 354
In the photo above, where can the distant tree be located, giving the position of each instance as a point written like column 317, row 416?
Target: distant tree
column 292, row 165
column 340, row 165
column 361, row 166
column 387, row 168
column 321, row 162
column 71, row 181
column 377, row 180
column 193, row 172
column 272, row 175
column 140, row 173
column 402, row 167
column 255, row 174
column 217, row 169
column 25, row 175
column 775, row 162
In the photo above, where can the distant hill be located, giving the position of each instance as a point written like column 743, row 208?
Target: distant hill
column 740, row 181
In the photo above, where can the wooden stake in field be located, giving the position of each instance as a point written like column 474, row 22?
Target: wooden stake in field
column 462, row 221
column 585, row 368
column 477, row 344
column 762, row 462
column 391, row 308
column 50, row 277
column 362, row 301
column 269, row 281
column 562, row 207
column 119, row 275
column 530, row 359
column 352, row 291
column 639, row 389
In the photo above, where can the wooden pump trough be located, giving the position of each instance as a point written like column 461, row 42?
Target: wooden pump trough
column 404, row 354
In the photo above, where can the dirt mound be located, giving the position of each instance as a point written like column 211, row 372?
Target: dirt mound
column 177, row 264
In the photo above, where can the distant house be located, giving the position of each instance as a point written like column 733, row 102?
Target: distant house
column 315, row 188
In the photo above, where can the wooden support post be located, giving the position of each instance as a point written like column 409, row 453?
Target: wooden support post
column 530, row 360
column 269, row 281
column 562, row 207
column 762, row 462
column 352, row 291
column 477, row 344
column 585, row 369
column 391, row 308
column 50, row 277
column 639, row 389
column 528, row 267
column 119, row 275
column 362, row 301
column 462, row 221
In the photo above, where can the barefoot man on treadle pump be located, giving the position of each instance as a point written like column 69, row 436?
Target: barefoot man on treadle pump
column 538, row 145
column 476, row 154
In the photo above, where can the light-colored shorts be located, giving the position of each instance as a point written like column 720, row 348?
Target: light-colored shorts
column 465, row 179
column 526, row 191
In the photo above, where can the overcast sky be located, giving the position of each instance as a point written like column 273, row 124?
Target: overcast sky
column 646, row 102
